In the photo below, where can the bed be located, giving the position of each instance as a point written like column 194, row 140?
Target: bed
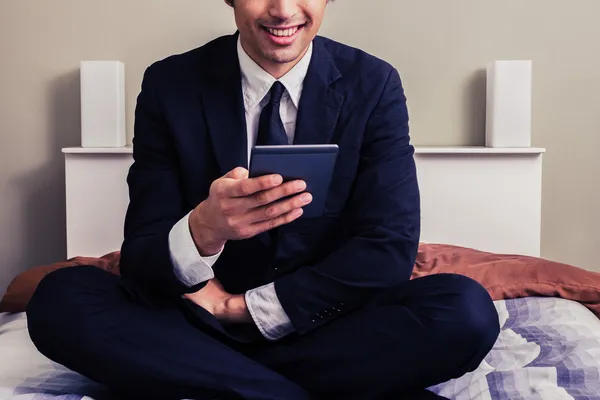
column 548, row 348
column 549, row 345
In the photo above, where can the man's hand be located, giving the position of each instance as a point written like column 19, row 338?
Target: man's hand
column 224, row 306
column 240, row 208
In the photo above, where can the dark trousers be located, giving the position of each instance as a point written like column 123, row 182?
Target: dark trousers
column 420, row 333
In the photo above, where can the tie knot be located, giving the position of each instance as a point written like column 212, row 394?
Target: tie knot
column 277, row 92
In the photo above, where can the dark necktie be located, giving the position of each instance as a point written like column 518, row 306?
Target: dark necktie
column 271, row 132
column 270, row 128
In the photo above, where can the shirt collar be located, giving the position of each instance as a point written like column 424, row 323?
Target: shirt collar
column 256, row 82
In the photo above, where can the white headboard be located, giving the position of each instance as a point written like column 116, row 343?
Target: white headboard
column 484, row 198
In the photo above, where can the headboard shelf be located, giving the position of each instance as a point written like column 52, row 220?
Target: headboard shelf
column 98, row 150
column 477, row 150
column 418, row 150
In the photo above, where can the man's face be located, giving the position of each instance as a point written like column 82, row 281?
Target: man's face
column 278, row 31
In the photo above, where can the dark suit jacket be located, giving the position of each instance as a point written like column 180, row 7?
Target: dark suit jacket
column 190, row 129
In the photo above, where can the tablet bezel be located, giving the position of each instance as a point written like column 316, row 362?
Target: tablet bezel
column 295, row 149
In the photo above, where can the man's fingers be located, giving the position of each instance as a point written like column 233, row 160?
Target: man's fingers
column 248, row 187
column 277, row 193
column 278, row 221
column 262, row 197
column 277, row 209
column 240, row 173
column 225, row 186
column 237, row 173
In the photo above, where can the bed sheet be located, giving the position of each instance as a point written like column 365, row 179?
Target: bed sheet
column 25, row 374
column 548, row 348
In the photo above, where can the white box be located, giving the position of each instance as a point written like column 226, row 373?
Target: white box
column 102, row 104
column 508, row 115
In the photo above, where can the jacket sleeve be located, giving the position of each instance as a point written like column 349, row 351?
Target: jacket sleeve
column 156, row 205
column 384, row 211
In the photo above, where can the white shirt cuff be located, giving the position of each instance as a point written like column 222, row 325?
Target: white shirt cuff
column 189, row 266
column 267, row 312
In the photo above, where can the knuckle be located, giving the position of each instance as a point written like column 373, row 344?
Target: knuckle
column 216, row 188
column 270, row 212
column 273, row 223
column 226, row 209
column 230, row 222
column 244, row 232
column 291, row 189
column 238, row 231
column 237, row 189
column 263, row 197
column 245, row 188
column 271, row 182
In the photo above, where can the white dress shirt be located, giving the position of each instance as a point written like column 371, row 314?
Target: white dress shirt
column 191, row 268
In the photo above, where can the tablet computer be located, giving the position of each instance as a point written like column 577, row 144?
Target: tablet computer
column 313, row 164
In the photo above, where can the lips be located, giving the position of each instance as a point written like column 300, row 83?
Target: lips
column 282, row 36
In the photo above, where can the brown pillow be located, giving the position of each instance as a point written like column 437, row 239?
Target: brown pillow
column 22, row 287
column 507, row 276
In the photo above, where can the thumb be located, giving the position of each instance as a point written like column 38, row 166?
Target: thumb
column 238, row 173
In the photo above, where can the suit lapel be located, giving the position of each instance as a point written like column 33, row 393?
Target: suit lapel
column 225, row 114
column 224, row 108
column 320, row 104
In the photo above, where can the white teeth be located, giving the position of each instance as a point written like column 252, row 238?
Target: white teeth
column 283, row 32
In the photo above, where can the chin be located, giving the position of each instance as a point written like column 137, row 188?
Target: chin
column 284, row 56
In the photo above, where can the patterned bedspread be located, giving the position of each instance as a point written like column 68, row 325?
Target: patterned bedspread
column 548, row 349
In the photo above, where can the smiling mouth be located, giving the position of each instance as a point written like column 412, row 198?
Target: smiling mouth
column 287, row 32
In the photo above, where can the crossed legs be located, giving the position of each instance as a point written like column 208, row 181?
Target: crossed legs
column 418, row 334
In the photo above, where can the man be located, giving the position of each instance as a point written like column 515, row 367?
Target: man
column 227, row 292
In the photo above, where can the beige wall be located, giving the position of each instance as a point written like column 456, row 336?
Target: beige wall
column 439, row 46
